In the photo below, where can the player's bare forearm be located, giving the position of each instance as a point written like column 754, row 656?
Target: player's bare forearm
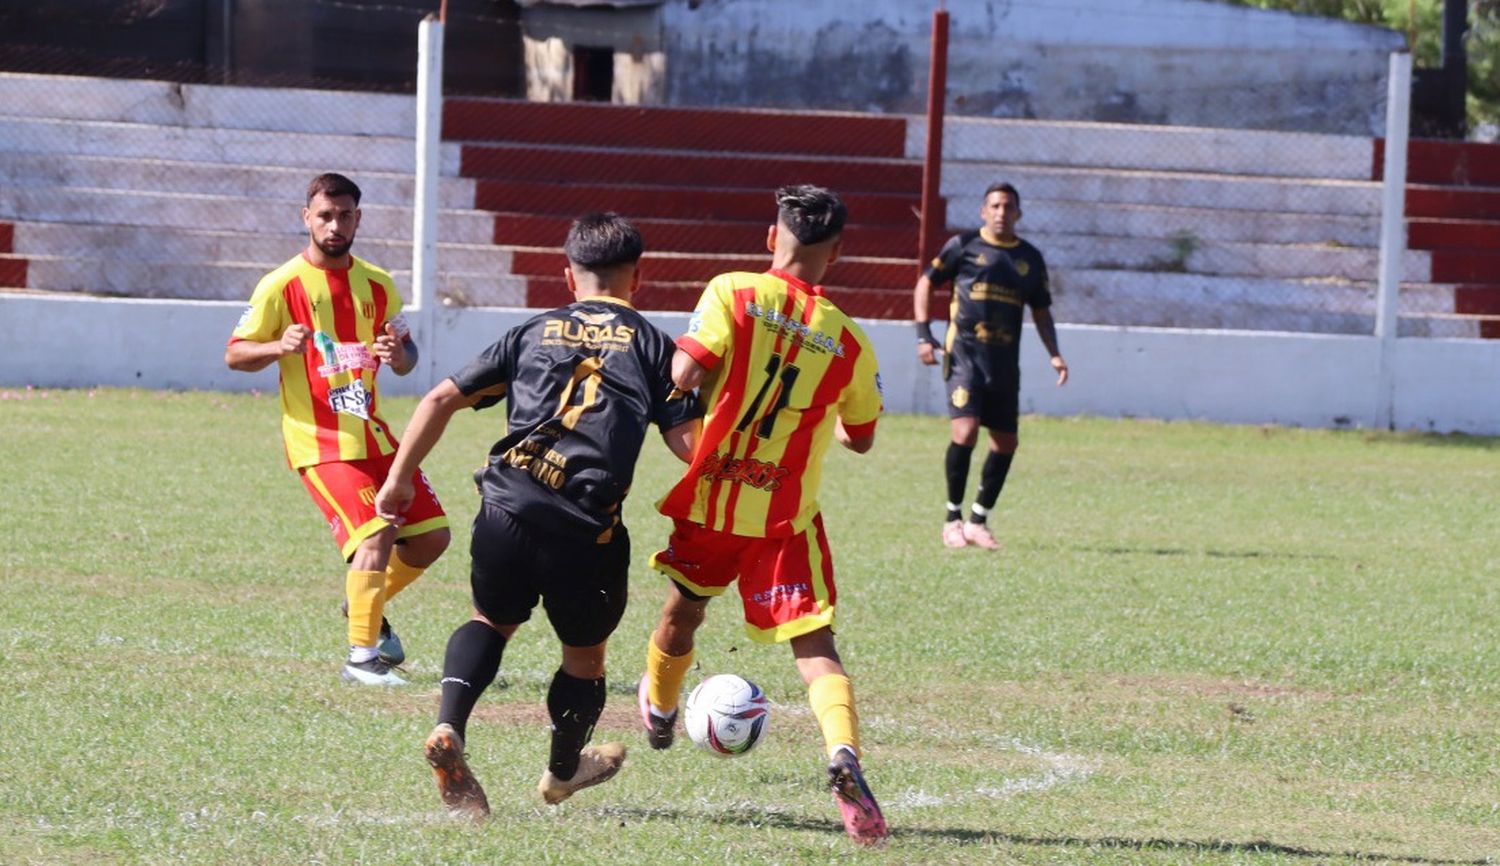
column 687, row 373
column 921, row 299
column 681, row 439
column 248, row 356
column 1047, row 330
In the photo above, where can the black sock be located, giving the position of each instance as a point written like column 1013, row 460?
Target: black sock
column 991, row 481
column 956, row 465
column 470, row 665
column 575, row 706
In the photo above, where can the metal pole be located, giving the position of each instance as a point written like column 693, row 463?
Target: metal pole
column 424, row 231
column 934, row 224
column 1392, row 232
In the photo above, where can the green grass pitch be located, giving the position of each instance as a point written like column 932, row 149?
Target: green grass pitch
column 1200, row 644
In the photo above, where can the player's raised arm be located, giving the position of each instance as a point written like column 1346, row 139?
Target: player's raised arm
column 427, row 425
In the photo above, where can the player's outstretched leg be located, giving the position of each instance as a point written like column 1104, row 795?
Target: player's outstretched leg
column 596, row 764
column 863, row 820
column 461, row 792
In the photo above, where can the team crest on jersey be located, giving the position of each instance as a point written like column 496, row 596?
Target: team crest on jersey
column 1023, row 267
column 960, row 397
column 981, row 259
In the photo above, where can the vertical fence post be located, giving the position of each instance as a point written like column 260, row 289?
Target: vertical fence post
column 424, row 230
column 1392, row 233
column 933, row 224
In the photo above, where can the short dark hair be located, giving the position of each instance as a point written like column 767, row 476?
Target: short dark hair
column 600, row 241
column 1003, row 186
column 333, row 186
column 812, row 213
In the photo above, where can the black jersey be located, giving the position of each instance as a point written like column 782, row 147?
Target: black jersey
column 992, row 283
column 584, row 383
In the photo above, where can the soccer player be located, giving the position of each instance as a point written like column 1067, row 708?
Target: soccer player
column 995, row 273
column 582, row 383
column 782, row 371
column 329, row 320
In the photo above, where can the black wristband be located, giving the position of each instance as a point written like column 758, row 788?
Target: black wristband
column 924, row 333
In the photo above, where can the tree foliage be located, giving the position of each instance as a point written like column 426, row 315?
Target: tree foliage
column 1422, row 21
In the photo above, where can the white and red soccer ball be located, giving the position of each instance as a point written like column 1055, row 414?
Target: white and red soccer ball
column 727, row 715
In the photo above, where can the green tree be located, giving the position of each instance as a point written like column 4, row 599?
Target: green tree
column 1422, row 21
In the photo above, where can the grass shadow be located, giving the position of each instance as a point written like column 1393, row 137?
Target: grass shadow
column 1120, row 550
column 749, row 816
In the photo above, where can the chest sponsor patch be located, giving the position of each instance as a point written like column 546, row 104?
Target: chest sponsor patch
column 350, row 399
column 342, row 357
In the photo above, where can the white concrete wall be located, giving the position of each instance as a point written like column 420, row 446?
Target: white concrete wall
column 1236, row 377
column 1178, row 62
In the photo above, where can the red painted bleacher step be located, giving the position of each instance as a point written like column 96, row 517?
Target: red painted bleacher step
column 695, row 236
column 865, row 303
column 853, row 271
column 685, row 169
column 1445, row 163
column 7, row 238
column 669, row 202
column 1436, row 234
column 1453, row 202
column 12, row 272
column 660, row 128
column 1466, row 266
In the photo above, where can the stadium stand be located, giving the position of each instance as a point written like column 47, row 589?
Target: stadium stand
column 151, row 189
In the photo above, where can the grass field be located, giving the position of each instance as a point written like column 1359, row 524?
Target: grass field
column 1201, row 644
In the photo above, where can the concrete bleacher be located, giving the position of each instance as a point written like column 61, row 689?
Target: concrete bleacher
column 152, row 189
column 1160, row 226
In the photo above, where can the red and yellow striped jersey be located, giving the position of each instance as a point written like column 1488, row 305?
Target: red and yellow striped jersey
column 329, row 403
column 784, row 363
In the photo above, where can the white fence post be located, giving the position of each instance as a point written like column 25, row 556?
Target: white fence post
column 425, row 207
column 1392, row 233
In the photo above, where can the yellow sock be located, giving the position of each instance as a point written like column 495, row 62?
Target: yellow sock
column 664, row 676
column 366, row 593
column 832, row 699
column 399, row 575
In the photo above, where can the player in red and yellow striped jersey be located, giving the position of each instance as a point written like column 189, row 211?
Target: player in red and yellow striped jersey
column 781, row 372
column 329, row 320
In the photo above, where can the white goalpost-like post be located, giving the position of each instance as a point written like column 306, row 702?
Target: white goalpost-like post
column 425, row 206
column 1392, row 233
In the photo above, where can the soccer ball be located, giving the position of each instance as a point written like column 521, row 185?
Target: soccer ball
column 727, row 715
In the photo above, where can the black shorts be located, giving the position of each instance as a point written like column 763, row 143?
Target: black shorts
column 581, row 585
column 980, row 386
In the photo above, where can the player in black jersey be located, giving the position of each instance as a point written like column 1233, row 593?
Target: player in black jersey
column 995, row 274
column 581, row 383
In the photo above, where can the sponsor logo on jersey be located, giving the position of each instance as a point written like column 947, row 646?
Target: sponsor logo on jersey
column 981, row 291
column 560, row 332
column 342, row 357
column 244, row 317
column 801, row 334
column 539, row 461
column 351, row 399
column 759, row 474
